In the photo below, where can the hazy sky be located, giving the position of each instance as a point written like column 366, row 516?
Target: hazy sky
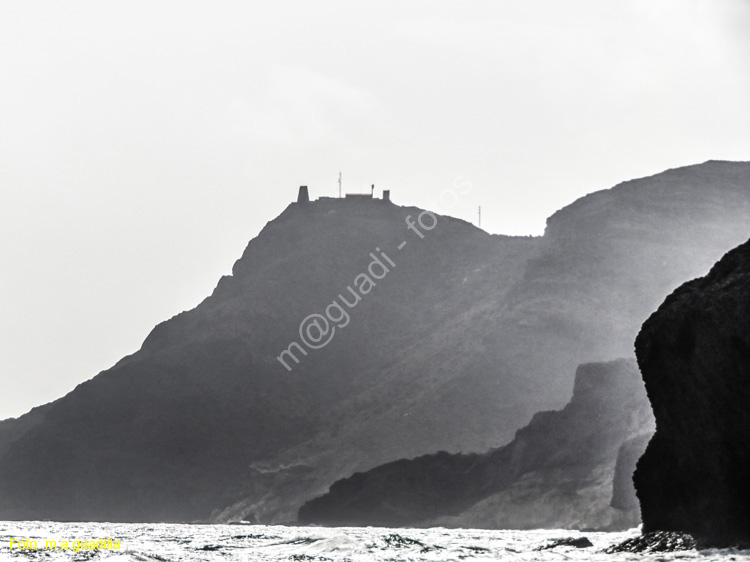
column 143, row 144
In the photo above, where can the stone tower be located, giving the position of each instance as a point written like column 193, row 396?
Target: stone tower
column 303, row 196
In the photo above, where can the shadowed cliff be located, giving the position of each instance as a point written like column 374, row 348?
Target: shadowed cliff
column 558, row 472
column 694, row 353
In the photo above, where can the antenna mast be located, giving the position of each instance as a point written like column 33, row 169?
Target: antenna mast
column 479, row 223
column 339, row 184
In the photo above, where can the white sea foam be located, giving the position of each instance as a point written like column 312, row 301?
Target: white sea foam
column 229, row 543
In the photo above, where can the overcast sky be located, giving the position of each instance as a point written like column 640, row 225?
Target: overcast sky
column 144, row 143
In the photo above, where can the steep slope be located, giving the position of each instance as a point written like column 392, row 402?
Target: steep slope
column 169, row 432
column 13, row 429
column 558, row 472
column 694, row 353
column 454, row 349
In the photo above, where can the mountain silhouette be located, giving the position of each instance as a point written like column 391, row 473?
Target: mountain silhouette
column 452, row 349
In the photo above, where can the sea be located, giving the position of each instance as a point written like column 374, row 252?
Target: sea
column 50, row 541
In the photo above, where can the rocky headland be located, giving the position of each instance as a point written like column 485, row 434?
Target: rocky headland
column 465, row 339
column 694, row 353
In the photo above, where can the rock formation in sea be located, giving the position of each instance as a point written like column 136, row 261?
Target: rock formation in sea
column 558, row 472
column 455, row 349
column 694, row 353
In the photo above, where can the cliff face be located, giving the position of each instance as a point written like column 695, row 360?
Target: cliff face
column 558, row 472
column 694, row 353
column 608, row 260
column 454, row 349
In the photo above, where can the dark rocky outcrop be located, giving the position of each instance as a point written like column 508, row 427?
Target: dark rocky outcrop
column 557, row 472
column 454, row 350
column 694, row 353
column 655, row 541
column 575, row 542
